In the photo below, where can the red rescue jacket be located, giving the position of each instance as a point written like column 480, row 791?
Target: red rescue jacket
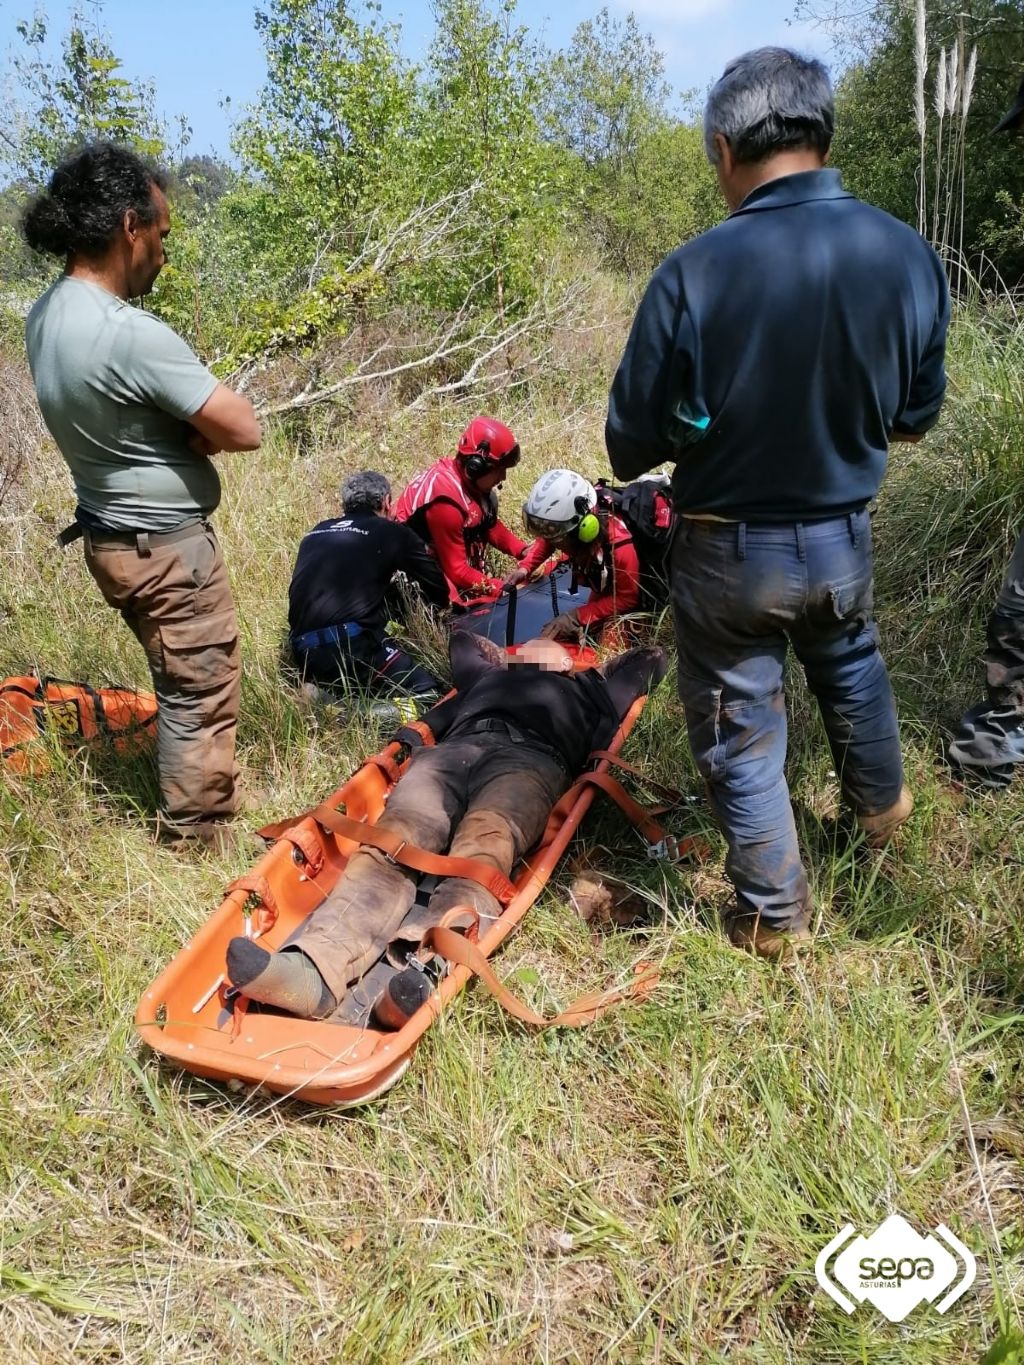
column 449, row 514
column 610, row 568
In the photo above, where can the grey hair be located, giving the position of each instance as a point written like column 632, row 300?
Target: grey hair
column 366, row 491
column 767, row 101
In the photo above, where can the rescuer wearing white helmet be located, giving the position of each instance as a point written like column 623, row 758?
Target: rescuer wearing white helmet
column 563, row 512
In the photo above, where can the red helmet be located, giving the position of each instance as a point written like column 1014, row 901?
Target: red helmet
column 485, row 443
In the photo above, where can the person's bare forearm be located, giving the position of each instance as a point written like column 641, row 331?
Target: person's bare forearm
column 225, row 422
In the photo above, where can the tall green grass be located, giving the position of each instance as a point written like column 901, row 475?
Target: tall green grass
column 655, row 1188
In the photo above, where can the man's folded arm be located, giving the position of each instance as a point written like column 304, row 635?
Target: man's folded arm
column 227, row 421
column 928, row 388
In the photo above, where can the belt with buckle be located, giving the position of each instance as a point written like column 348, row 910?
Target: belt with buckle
column 492, row 725
column 142, row 541
column 330, row 635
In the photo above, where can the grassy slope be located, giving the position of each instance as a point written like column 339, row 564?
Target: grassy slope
column 655, row 1188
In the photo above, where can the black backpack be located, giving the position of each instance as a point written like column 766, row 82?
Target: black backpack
column 645, row 505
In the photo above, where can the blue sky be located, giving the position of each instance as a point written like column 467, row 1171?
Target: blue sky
column 199, row 51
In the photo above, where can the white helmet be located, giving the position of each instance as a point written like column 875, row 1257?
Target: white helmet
column 558, row 502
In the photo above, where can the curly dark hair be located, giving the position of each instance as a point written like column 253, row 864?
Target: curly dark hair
column 88, row 195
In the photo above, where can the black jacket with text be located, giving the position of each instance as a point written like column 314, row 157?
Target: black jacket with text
column 345, row 568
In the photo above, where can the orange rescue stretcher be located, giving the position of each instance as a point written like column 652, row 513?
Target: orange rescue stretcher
column 192, row 1016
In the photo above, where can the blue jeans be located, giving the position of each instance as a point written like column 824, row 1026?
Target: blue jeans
column 741, row 593
column 379, row 668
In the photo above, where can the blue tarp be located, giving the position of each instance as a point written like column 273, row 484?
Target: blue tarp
column 535, row 605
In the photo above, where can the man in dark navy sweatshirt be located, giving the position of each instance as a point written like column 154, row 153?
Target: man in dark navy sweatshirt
column 338, row 601
column 774, row 359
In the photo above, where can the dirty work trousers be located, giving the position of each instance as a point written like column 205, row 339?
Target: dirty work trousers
column 989, row 743
column 1004, row 657
column 741, row 593
column 176, row 600
column 485, row 796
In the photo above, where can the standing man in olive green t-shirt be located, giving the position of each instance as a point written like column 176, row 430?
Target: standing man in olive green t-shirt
column 138, row 418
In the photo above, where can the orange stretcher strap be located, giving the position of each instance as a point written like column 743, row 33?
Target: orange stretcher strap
column 671, row 794
column 584, row 1010
column 400, row 851
column 633, row 811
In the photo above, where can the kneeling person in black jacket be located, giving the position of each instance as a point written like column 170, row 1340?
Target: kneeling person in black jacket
column 337, row 602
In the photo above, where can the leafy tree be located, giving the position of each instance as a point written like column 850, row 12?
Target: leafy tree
column 58, row 103
column 479, row 128
column 670, row 195
column 609, row 93
column 877, row 146
column 329, row 122
column 642, row 180
column 205, row 178
column 266, row 264
column 64, row 102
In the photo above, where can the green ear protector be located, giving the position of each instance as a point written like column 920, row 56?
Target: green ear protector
column 589, row 527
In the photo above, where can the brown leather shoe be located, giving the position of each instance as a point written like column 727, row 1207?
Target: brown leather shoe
column 779, row 945
column 216, row 837
column 879, row 828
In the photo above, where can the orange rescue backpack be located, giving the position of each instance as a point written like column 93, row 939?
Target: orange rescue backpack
column 32, row 706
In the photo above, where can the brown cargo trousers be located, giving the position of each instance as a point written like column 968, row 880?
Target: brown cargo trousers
column 493, row 792
column 176, row 600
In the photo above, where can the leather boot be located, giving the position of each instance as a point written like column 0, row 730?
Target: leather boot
column 879, row 828
column 779, row 945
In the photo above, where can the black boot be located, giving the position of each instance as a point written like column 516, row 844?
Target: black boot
column 403, row 996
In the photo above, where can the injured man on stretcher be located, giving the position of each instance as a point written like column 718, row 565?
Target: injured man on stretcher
column 508, row 744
